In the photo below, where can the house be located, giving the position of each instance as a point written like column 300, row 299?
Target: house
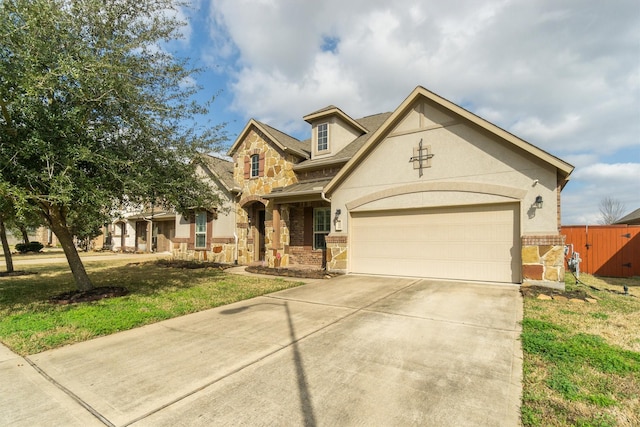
column 198, row 235
column 631, row 219
column 428, row 190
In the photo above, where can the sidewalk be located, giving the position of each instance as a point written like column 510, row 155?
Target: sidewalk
column 61, row 259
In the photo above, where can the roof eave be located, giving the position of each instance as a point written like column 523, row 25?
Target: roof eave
column 253, row 122
column 564, row 168
column 319, row 164
column 335, row 111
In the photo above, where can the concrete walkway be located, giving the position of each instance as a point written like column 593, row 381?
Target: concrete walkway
column 59, row 258
column 352, row 350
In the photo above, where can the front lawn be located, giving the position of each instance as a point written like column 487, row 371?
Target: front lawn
column 29, row 323
column 582, row 360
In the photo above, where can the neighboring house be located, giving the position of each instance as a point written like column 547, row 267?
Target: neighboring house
column 428, row 190
column 200, row 234
column 631, row 219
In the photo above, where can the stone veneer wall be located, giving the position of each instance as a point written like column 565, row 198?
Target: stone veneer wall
column 277, row 253
column 278, row 166
column 543, row 260
column 277, row 172
column 336, row 253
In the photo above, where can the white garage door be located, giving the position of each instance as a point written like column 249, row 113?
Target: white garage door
column 465, row 243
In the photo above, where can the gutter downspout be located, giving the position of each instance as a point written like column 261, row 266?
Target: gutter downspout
column 322, row 195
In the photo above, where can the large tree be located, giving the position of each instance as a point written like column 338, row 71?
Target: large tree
column 95, row 112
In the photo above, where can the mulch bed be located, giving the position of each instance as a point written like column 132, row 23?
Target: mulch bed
column 94, row 294
column 289, row 272
column 191, row 265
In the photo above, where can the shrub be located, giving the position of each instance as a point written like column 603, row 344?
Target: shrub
column 23, row 248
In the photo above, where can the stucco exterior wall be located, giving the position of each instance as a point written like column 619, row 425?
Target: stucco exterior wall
column 340, row 135
column 461, row 155
column 183, row 227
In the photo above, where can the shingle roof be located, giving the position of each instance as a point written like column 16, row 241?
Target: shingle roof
column 371, row 123
column 287, row 140
column 632, row 218
column 322, row 110
column 299, row 189
column 223, row 169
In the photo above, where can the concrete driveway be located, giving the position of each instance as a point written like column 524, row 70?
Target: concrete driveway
column 353, row 350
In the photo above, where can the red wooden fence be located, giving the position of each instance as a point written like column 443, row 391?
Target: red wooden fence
column 606, row 250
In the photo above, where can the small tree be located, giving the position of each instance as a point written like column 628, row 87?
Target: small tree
column 93, row 113
column 611, row 210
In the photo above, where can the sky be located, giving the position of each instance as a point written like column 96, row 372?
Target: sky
column 564, row 75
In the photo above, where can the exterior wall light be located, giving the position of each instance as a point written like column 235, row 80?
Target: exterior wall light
column 538, row 202
column 336, row 220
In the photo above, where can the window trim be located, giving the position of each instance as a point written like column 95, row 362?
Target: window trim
column 325, row 137
column 254, row 166
column 202, row 233
column 325, row 232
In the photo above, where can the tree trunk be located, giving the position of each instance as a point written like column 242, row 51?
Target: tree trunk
column 25, row 234
column 5, row 247
column 59, row 227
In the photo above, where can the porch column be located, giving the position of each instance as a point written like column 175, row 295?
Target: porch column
column 275, row 239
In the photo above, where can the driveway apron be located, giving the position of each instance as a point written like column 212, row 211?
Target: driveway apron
column 353, row 350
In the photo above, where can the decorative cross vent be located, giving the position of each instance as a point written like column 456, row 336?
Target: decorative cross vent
column 421, row 157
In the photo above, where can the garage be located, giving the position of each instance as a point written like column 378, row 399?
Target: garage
column 480, row 242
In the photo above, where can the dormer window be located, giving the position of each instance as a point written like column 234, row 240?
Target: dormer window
column 255, row 166
column 323, row 137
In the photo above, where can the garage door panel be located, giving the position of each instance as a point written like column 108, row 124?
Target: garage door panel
column 467, row 243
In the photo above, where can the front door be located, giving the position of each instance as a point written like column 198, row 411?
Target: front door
column 141, row 236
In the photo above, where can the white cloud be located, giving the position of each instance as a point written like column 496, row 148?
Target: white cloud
column 596, row 181
column 533, row 129
column 562, row 75
column 618, row 173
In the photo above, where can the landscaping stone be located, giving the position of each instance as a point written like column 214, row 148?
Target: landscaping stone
column 544, row 297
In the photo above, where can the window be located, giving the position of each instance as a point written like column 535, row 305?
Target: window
column 201, row 230
column 323, row 137
column 321, row 227
column 255, row 166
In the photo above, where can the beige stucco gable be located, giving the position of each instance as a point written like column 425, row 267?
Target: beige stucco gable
column 471, row 162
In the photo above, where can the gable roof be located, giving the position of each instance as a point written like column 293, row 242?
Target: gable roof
column 221, row 169
column 332, row 110
column 370, row 123
column 394, row 118
column 283, row 141
column 632, row 218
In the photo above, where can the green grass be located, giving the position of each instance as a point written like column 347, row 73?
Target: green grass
column 582, row 361
column 29, row 323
